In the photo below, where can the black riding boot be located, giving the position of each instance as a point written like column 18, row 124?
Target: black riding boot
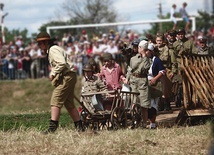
column 79, row 126
column 52, row 126
column 167, row 106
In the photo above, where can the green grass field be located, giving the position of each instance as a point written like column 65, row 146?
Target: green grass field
column 25, row 104
column 25, row 112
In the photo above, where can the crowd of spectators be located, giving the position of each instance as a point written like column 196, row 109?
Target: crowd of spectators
column 20, row 61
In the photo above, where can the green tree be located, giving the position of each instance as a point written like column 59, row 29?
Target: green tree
column 166, row 26
column 84, row 12
column 55, row 33
column 204, row 21
column 10, row 35
column 90, row 11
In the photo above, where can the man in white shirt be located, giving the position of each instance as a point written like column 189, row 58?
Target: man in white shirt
column 173, row 16
column 35, row 54
column 112, row 48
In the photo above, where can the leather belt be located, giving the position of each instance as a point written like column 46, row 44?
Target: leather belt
column 139, row 75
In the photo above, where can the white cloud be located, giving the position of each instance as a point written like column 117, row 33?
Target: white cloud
column 31, row 14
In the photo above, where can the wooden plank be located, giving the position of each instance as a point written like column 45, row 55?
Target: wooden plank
column 195, row 84
column 97, row 93
column 205, row 89
column 200, row 112
column 199, row 73
column 186, row 95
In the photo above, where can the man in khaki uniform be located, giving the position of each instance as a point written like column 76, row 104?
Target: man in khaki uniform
column 171, row 38
column 168, row 59
column 203, row 48
column 139, row 66
column 183, row 45
column 174, row 77
column 63, row 78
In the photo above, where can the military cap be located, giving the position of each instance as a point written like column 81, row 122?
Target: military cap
column 136, row 42
column 202, row 40
column 88, row 67
column 172, row 32
column 107, row 57
column 181, row 30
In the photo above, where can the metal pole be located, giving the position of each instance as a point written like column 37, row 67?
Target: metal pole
column 2, row 22
column 3, row 36
column 2, row 25
column 2, row 28
column 213, row 6
column 160, row 14
column 193, row 23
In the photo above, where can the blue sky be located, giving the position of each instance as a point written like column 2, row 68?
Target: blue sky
column 31, row 14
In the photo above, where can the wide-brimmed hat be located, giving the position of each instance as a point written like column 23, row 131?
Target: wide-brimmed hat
column 43, row 36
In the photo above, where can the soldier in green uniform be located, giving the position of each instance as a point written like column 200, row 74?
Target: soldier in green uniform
column 167, row 57
column 137, row 77
column 183, row 45
column 174, row 77
column 128, row 51
column 203, row 48
column 171, row 38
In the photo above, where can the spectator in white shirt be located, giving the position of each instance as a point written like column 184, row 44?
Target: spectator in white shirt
column 173, row 16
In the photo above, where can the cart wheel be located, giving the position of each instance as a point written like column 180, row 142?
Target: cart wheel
column 136, row 115
column 85, row 118
column 118, row 118
column 104, row 124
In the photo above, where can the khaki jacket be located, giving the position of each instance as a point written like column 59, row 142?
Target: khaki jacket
column 59, row 60
column 139, row 65
column 95, row 84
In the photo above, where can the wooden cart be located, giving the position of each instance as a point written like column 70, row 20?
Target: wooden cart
column 117, row 111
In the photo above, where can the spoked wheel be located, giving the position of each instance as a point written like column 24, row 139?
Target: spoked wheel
column 137, row 115
column 118, row 118
column 104, row 124
column 85, row 119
